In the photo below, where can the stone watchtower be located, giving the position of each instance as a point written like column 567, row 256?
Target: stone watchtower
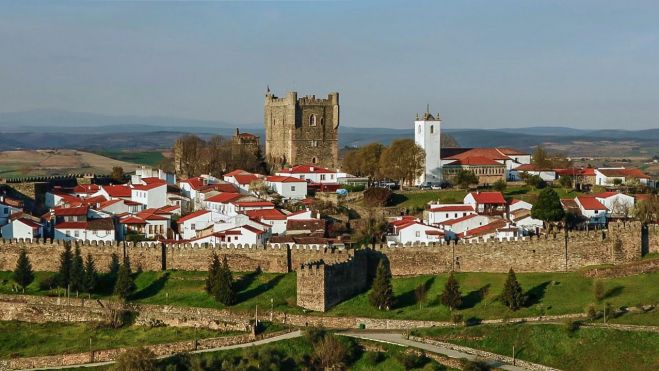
column 301, row 130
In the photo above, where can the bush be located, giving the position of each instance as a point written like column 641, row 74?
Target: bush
column 330, row 353
column 591, row 312
column 457, row 318
column 136, row 359
column 373, row 358
column 411, row 360
column 314, row 334
column 571, row 327
column 598, row 290
column 377, row 197
column 468, row 365
column 48, row 282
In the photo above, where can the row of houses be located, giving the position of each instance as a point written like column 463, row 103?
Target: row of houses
column 490, row 215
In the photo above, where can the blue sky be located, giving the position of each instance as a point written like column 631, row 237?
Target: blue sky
column 481, row 64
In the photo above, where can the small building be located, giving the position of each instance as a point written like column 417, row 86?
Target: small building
column 611, row 176
column 409, row 230
column 189, row 225
column 592, row 209
column 92, row 230
column 488, row 203
column 22, row 227
column 618, row 204
column 288, row 187
column 488, row 171
column 437, row 214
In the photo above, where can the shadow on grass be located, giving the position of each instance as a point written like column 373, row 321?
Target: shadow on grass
column 397, row 199
column 535, row 294
column 614, row 292
column 408, row 298
column 105, row 284
column 517, row 192
column 260, row 289
column 245, row 280
column 152, row 289
column 473, row 298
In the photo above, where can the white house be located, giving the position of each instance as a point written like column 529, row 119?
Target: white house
column 592, row 209
column 516, row 204
column 148, row 172
column 465, row 223
column 313, row 174
column 273, row 217
column 548, row 175
column 241, row 235
column 152, row 195
column 242, row 179
column 92, row 230
column 528, row 224
column 221, row 202
column 6, row 210
column 22, row 228
column 190, row 224
column 409, row 230
column 113, row 207
column 608, row 176
column 288, row 187
column 427, row 136
column 438, row 214
column 113, row 192
column 486, row 202
column 618, row 204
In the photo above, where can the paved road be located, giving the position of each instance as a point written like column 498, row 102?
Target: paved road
column 399, row 339
column 286, row 336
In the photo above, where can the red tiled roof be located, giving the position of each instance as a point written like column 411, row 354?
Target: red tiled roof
column 642, row 197
column 510, row 151
column 434, row 232
column 132, row 220
column 71, row 225
column 86, row 188
column 458, row 220
column 237, row 172
column 153, row 180
column 267, row 214
column 117, row 190
column 491, row 153
column 283, row 179
column 302, row 224
column 253, row 203
column 192, row 215
column 253, row 229
column 148, row 186
column 590, row 203
column 168, row 209
column 485, row 229
column 195, row 183
column 30, row 223
column 150, row 214
column 305, row 169
column 451, row 208
column 107, row 203
column 71, row 211
column 632, row 173
column 488, row 198
column 589, row 171
column 223, row 197
column 223, row 187
column 569, row 203
column 475, row 161
column 245, row 178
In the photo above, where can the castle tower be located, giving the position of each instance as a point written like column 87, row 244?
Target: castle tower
column 301, row 130
column 427, row 135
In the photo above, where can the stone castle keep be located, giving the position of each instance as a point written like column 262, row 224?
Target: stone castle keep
column 301, row 130
column 328, row 276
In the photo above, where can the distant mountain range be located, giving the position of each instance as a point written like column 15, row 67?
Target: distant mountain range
column 62, row 129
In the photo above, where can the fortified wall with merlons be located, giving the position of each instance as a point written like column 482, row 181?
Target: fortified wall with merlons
column 619, row 243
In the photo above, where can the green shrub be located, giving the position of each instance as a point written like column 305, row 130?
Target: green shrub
column 591, row 312
column 571, row 326
column 373, row 358
column 457, row 318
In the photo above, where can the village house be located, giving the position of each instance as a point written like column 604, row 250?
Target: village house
column 92, row 230
column 487, row 170
column 8, row 207
column 516, row 204
column 148, row 172
column 437, row 214
column 611, row 176
column 410, row 230
column 151, row 194
column 22, row 227
column 618, row 204
column 455, row 227
column 490, row 203
column 190, row 225
column 548, row 175
column 288, row 187
column 242, row 179
column 591, row 209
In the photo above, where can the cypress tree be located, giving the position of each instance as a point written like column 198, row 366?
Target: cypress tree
column 382, row 293
column 114, row 265
column 23, row 274
column 451, row 296
column 213, row 268
column 91, row 276
column 512, row 295
column 77, row 273
column 224, row 290
column 125, row 284
column 65, row 263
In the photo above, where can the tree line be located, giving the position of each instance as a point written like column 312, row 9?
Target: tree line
column 217, row 155
column 403, row 161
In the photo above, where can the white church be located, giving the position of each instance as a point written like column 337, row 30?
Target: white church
column 427, row 136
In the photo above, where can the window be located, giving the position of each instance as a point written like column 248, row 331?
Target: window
column 292, row 188
column 312, row 120
column 418, row 130
column 418, row 234
column 76, row 233
column 322, row 176
column 314, row 143
column 322, row 121
column 314, row 160
column 192, row 226
column 432, row 129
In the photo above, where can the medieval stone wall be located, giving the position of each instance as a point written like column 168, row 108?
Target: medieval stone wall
column 620, row 243
column 320, row 285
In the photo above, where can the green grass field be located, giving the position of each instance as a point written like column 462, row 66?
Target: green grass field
column 549, row 294
column 650, row 318
column 150, row 158
column 22, row 339
column 553, row 345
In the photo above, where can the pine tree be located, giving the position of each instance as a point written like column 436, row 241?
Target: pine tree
column 382, row 293
column 451, row 296
column 113, row 269
column 224, row 290
column 23, row 274
column 91, row 276
column 65, row 263
column 77, row 273
column 213, row 268
column 125, row 284
column 512, row 295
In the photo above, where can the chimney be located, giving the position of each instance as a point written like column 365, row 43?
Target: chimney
column 311, row 168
